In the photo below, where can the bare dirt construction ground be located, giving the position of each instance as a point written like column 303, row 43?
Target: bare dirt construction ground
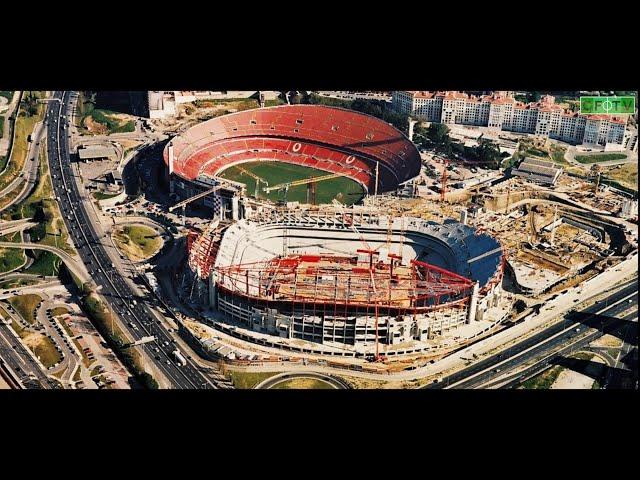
column 607, row 341
column 626, row 174
column 303, row 384
column 568, row 379
column 94, row 127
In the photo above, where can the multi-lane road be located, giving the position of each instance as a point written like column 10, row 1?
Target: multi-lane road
column 20, row 361
column 135, row 316
column 599, row 315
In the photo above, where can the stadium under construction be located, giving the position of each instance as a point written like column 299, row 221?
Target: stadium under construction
column 327, row 279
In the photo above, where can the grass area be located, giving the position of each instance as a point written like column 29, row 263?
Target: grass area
column 342, row 188
column 46, row 351
column 66, row 328
column 600, row 157
column 9, row 197
column 24, row 127
column 39, row 344
column 544, row 380
column 557, row 153
column 626, row 175
column 95, row 120
column 236, row 103
column 138, row 242
column 8, row 94
column 535, row 152
column 26, row 306
column 248, row 380
column 111, row 122
column 11, row 258
column 45, row 263
column 21, row 282
column 41, row 206
column 303, row 384
column 273, row 103
column 59, row 311
column 104, row 196
column 76, row 376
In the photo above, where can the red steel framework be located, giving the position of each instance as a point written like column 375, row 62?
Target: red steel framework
column 335, row 285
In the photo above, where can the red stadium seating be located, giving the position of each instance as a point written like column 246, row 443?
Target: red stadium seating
column 331, row 139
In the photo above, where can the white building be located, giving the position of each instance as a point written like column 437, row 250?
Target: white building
column 630, row 141
column 629, row 208
column 161, row 104
column 501, row 111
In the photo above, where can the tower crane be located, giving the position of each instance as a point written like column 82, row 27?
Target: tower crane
column 198, row 196
column 286, row 185
column 368, row 250
column 257, row 178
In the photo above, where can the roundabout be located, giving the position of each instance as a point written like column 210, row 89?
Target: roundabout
column 302, row 381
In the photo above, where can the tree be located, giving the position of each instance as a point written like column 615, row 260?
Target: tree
column 438, row 133
column 488, row 152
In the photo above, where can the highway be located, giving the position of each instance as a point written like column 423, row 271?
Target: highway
column 532, row 347
column 16, row 357
column 29, row 169
column 572, row 345
column 136, row 318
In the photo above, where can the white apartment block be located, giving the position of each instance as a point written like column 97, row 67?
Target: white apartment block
column 630, row 141
column 502, row 112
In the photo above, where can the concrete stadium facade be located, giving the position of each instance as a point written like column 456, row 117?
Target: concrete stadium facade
column 453, row 275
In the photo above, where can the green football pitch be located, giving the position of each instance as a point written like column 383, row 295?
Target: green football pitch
column 343, row 189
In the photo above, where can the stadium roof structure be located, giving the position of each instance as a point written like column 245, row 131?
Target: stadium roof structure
column 538, row 170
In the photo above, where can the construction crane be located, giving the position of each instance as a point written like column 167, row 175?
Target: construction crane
column 255, row 177
column 287, row 185
column 185, row 202
column 368, row 250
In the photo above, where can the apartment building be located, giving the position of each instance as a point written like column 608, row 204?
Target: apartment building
column 501, row 111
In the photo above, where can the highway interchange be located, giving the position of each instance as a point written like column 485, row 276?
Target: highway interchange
column 137, row 318
column 563, row 332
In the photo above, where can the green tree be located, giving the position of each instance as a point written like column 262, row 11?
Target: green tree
column 488, row 153
column 438, row 133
